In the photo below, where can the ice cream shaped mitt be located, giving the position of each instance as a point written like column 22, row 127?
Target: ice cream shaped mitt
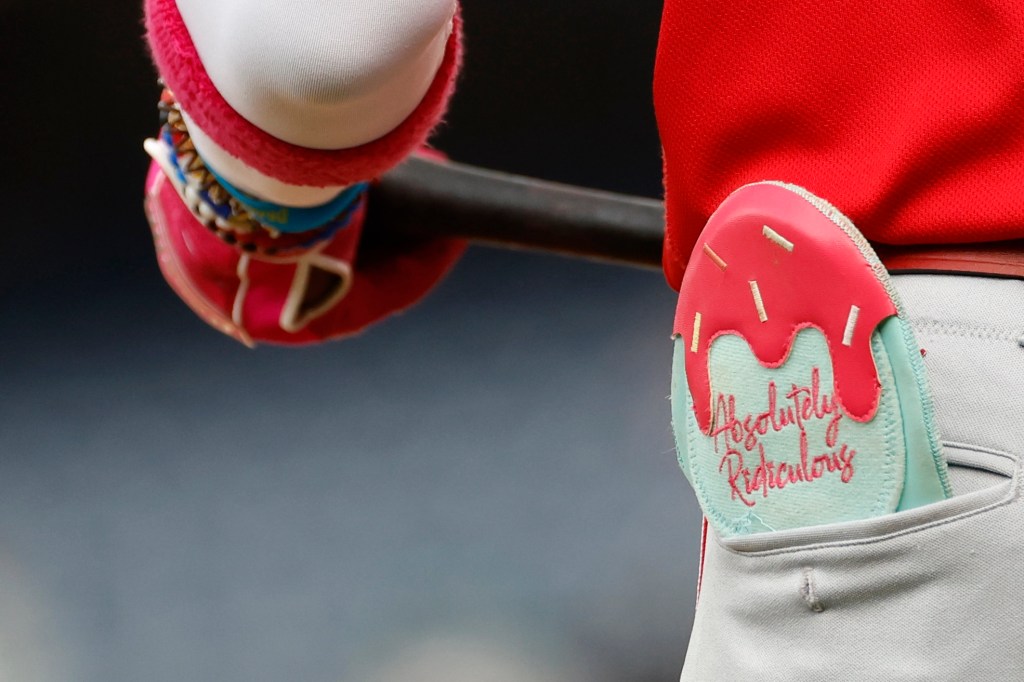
column 799, row 396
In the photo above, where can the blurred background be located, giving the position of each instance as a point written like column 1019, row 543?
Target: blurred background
column 483, row 488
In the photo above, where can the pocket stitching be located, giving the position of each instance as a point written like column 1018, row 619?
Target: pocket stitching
column 1012, row 496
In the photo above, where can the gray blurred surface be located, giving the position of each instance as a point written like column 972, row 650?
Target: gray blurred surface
column 486, row 483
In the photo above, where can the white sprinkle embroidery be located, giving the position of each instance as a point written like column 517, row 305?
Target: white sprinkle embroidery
column 777, row 238
column 758, row 302
column 695, row 339
column 851, row 325
column 710, row 253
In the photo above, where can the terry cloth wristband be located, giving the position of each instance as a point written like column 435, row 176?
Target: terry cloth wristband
column 905, row 116
column 182, row 70
column 258, row 270
column 798, row 396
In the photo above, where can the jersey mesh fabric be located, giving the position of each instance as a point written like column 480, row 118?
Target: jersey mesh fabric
column 906, row 116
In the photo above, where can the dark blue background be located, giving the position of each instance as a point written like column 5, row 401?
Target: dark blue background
column 481, row 489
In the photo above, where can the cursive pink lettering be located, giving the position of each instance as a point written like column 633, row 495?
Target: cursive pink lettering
column 750, row 470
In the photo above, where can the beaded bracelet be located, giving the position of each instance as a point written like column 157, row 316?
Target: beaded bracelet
column 223, row 214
